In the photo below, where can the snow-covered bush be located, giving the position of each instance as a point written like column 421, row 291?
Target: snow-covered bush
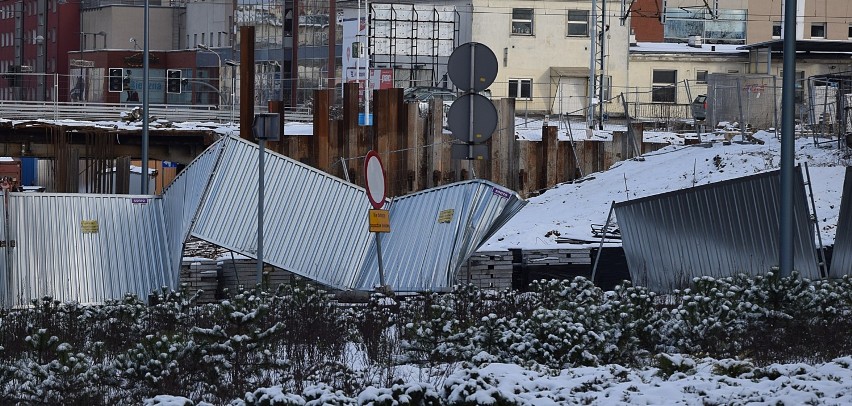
column 400, row 394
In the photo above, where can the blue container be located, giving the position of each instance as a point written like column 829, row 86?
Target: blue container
column 365, row 119
column 29, row 171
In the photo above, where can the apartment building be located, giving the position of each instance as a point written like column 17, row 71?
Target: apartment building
column 35, row 37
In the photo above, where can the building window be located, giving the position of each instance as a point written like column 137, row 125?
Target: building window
column 818, row 30
column 701, row 76
column 664, row 89
column 522, row 21
column 520, row 88
column 578, row 23
column 729, row 26
column 776, row 30
column 850, row 31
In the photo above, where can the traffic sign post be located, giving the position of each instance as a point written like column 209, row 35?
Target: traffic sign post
column 379, row 219
column 472, row 118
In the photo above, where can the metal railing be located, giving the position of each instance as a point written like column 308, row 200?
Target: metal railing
column 36, row 110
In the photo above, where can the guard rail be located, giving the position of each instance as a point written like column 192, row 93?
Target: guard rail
column 35, row 110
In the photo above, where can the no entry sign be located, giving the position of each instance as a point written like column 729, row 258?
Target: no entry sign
column 375, row 179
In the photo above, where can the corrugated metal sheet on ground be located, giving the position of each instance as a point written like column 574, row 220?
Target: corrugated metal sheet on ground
column 423, row 253
column 722, row 229
column 88, row 248
column 841, row 257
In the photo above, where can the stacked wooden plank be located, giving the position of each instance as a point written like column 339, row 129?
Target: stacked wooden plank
column 237, row 273
column 200, row 274
column 494, row 270
column 558, row 257
column 488, row 270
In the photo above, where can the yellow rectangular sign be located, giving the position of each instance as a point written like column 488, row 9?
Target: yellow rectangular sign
column 446, row 216
column 379, row 221
column 89, row 226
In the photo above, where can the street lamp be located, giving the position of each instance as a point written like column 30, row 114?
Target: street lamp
column 233, row 64
column 266, row 126
column 204, row 47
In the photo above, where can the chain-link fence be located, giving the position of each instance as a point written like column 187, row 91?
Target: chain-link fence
column 752, row 100
column 829, row 102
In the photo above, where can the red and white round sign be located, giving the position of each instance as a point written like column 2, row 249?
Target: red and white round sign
column 375, row 179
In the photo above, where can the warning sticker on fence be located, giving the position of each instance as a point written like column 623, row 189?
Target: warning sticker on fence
column 89, row 226
column 446, row 216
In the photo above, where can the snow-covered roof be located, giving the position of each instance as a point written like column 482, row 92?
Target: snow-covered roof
column 683, row 48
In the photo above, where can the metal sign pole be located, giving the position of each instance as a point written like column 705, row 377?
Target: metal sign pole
column 261, row 143
column 381, row 264
column 470, row 136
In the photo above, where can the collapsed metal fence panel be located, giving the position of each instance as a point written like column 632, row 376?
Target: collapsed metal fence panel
column 745, row 99
column 92, row 248
column 183, row 197
column 86, row 248
column 841, row 258
column 315, row 225
column 718, row 230
column 433, row 232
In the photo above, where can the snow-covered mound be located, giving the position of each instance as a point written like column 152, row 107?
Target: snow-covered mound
column 569, row 210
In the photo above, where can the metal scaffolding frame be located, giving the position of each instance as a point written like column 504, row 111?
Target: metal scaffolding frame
column 415, row 40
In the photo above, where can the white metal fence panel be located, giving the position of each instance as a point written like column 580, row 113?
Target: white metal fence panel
column 86, row 248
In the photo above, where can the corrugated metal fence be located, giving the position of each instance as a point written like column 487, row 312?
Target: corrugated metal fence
column 841, row 259
column 91, row 248
column 722, row 229
column 87, row 248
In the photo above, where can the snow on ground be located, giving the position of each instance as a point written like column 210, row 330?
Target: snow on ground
column 698, row 384
column 570, row 209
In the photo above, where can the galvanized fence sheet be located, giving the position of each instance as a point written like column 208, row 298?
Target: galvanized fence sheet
column 722, row 229
column 841, row 258
column 315, row 225
column 86, row 248
column 433, row 232
column 182, row 199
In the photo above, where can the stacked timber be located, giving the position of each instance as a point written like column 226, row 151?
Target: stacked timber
column 242, row 273
column 488, row 270
column 496, row 269
column 200, row 274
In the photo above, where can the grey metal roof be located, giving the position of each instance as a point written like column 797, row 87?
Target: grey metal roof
column 721, row 229
column 422, row 253
column 54, row 255
column 841, row 258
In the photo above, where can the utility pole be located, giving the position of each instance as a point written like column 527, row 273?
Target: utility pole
column 593, row 36
column 602, row 47
column 597, row 63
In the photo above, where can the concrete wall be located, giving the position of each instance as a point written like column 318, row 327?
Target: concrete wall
column 207, row 18
column 120, row 23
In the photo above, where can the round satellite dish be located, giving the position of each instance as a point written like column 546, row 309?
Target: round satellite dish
column 484, row 67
